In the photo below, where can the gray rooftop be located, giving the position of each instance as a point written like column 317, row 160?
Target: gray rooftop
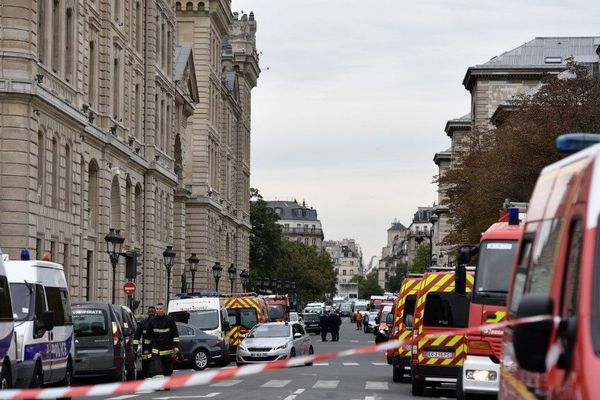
column 292, row 210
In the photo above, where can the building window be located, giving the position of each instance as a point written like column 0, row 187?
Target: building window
column 41, row 166
column 68, row 177
column 93, row 71
column 344, row 272
column 138, row 27
column 66, row 261
column 115, row 204
column 116, row 10
column 42, row 31
column 116, row 77
column 69, row 47
column 351, row 272
column 128, row 213
column 55, row 173
column 56, row 31
column 138, row 112
column 93, row 194
column 138, row 212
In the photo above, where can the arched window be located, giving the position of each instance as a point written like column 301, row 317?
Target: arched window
column 70, row 44
column 128, row 213
column 138, row 212
column 201, row 6
column 55, row 173
column 93, row 194
column 115, row 204
column 177, row 6
column 189, row 6
column 68, row 177
column 41, row 166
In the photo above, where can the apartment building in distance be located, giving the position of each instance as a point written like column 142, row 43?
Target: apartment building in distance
column 299, row 222
column 347, row 260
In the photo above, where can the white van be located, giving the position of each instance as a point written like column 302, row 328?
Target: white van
column 43, row 323
column 8, row 350
column 206, row 313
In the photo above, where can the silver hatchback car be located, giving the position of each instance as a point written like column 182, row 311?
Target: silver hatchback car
column 274, row 341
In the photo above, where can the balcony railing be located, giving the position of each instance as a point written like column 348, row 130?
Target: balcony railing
column 304, row 231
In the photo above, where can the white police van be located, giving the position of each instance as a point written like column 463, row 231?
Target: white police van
column 43, row 322
column 7, row 343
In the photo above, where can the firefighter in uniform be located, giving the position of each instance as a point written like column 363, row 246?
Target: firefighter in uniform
column 142, row 337
column 164, row 340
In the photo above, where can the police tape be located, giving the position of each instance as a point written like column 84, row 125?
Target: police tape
column 210, row 377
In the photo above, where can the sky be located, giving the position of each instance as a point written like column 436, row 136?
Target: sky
column 353, row 97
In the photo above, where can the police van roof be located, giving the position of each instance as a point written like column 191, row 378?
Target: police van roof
column 35, row 271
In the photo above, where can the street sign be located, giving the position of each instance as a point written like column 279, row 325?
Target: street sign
column 129, row 288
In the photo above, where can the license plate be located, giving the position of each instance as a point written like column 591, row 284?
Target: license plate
column 259, row 354
column 439, row 354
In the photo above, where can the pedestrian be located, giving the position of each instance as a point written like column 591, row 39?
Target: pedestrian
column 164, row 340
column 366, row 323
column 141, row 339
column 358, row 318
column 335, row 324
column 324, row 323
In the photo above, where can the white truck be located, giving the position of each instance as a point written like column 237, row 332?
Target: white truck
column 8, row 350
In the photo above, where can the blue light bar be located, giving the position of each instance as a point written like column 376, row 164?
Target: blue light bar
column 513, row 216
column 574, row 142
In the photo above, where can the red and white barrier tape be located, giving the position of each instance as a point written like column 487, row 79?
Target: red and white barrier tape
column 210, row 377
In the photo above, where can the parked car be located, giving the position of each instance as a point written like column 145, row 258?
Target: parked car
column 274, row 341
column 99, row 343
column 295, row 317
column 128, row 325
column 345, row 309
column 198, row 348
column 369, row 327
column 311, row 323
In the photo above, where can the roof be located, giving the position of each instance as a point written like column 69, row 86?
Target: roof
column 463, row 122
column 445, row 155
column 397, row 226
column 291, row 210
column 540, row 55
column 182, row 54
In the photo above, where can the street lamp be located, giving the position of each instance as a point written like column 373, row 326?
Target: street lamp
column 232, row 271
column 169, row 260
column 244, row 278
column 217, row 270
column 114, row 243
column 433, row 219
column 193, row 261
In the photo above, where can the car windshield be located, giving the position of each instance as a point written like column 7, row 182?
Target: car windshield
column 245, row 317
column 21, row 301
column 294, row 317
column 276, row 311
column 496, row 259
column 269, row 331
column 310, row 317
column 360, row 307
column 90, row 322
column 207, row 320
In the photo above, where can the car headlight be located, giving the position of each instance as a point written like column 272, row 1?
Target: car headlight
column 242, row 347
column 281, row 347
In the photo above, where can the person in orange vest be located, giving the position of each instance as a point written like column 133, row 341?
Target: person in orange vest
column 358, row 318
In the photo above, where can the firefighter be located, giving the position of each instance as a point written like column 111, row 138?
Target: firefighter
column 164, row 340
column 142, row 336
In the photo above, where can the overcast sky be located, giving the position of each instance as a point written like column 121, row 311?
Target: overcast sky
column 353, row 98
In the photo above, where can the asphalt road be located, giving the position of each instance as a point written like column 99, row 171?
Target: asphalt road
column 366, row 377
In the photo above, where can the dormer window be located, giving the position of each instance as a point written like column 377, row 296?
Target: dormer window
column 553, row 60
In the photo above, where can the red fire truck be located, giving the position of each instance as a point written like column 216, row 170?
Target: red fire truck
column 497, row 249
column 279, row 307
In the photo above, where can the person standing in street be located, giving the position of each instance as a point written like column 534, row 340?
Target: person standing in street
column 366, row 323
column 335, row 322
column 358, row 317
column 164, row 341
column 141, row 339
column 324, row 323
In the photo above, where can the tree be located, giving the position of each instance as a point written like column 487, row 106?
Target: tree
column 421, row 260
column 266, row 242
column 505, row 161
column 394, row 282
column 368, row 286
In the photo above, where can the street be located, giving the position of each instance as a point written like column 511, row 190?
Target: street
column 366, row 377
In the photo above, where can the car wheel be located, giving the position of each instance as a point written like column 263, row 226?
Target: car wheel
column 311, row 351
column 200, row 359
column 293, row 353
column 68, row 378
column 418, row 386
column 37, row 379
column 5, row 378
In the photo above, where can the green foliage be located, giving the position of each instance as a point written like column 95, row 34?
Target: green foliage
column 274, row 256
column 394, row 282
column 368, row 286
column 421, row 261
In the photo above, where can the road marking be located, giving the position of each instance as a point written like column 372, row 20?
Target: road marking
column 326, row 385
column 372, row 385
column 321, row 364
column 275, row 383
column 126, row 396
column 351, row 364
column 354, row 341
column 294, row 395
column 299, row 391
column 229, row 383
column 206, row 396
column 380, row 363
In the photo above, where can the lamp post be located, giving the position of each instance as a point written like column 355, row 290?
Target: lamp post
column 244, row 278
column 217, row 270
column 114, row 243
column 232, row 271
column 193, row 261
column 169, row 260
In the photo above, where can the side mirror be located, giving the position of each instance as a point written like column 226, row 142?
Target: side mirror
column 531, row 341
column 46, row 320
column 226, row 326
column 297, row 335
column 389, row 319
column 460, row 279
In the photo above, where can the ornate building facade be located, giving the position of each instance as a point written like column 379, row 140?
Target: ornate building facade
column 105, row 122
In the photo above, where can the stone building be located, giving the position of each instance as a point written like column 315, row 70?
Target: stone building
column 441, row 225
column 93, row 115
column 217, row 185
column 393, row 254
column 299, row 222
column 420, row 232
column 346, row 257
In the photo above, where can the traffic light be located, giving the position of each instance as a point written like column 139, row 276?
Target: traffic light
column 130, row 265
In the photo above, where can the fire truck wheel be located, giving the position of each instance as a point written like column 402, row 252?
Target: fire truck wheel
column 460, row 394
column 418, row 386
column 397, row 374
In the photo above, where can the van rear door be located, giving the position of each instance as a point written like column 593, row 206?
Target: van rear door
column 94, row 341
